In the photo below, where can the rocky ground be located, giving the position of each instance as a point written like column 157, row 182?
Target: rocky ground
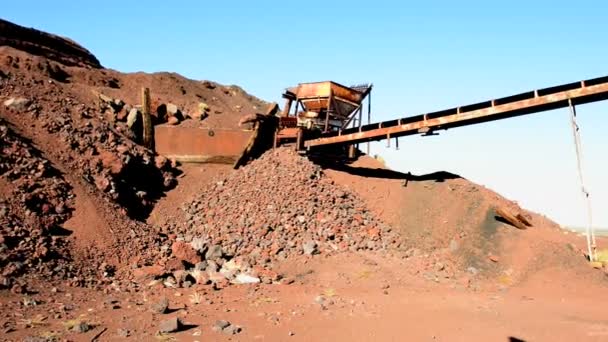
column 278, row 207
column 101, row 239
column 36, row 201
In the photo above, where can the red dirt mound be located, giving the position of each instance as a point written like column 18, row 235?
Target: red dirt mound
column 44, row 44
column 454, row 224
column 50, row 92
column 278, row 207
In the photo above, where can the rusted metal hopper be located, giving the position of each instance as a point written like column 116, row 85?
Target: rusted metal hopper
column 327, row 105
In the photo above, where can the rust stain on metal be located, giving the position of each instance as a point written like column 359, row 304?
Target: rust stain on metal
column 192, row 144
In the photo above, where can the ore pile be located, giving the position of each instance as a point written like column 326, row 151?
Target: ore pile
column 277, row 207
column 35, row 201
column 93, row 148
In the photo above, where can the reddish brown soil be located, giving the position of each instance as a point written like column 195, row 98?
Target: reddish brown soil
column 63, row 119
column 40, row 43
column 460, row 274
column 454, row 220
column 363, row 297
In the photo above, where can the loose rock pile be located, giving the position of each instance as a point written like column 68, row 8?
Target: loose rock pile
column 35, row 200
column 98, row 150
column 125, row 177
column 117, row 111
column 277, row 207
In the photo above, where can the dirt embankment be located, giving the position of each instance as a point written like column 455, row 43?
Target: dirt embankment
column 453, row 221
column 44, row 44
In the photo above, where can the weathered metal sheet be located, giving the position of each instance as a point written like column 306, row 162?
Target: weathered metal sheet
column 521, row 104
column 193, row 144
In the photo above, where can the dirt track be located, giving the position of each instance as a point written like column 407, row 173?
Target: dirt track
column 401, row 257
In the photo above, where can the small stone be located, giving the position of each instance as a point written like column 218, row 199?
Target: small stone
column 60, row 208
column 105, row 98
column 199, row 244
column 172, row 109
column 160, row 307
column 212, row 266
column 132, row 117
column 288, row 280
column 214, row 252
column 493, row 258
column 172, row 120
column 81, row 327
column 112, row 162
column 200, row 266
column 102, row 183
column 170, row 325
column 310, row 247
column 203, row 107
column 220, row 325
column 208, row 85
column 160, row 162
column 454, row 245
column 200, row 277
column 17, row 103
column 243, row 278
column 123, row 333
column 184, row 251
column 232, row 330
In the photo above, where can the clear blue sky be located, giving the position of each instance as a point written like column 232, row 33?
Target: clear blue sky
column 421, row 56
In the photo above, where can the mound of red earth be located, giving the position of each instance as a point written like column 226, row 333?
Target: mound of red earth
column 45, row 44
column 279, row 206
column 54, row 93
column 69, row 110
column 450, row 227
column 94, row 149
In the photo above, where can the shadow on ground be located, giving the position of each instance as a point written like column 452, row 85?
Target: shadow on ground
column 439, row 176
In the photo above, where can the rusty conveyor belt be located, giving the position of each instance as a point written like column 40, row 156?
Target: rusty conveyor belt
column 521, row 104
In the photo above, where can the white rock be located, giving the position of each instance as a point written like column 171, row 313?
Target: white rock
column 243, row 278
column 132, row 117
column 17, row 103
column 172, row 109
column 198, row 244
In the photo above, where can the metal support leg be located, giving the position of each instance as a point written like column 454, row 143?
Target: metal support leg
column 591, row 246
